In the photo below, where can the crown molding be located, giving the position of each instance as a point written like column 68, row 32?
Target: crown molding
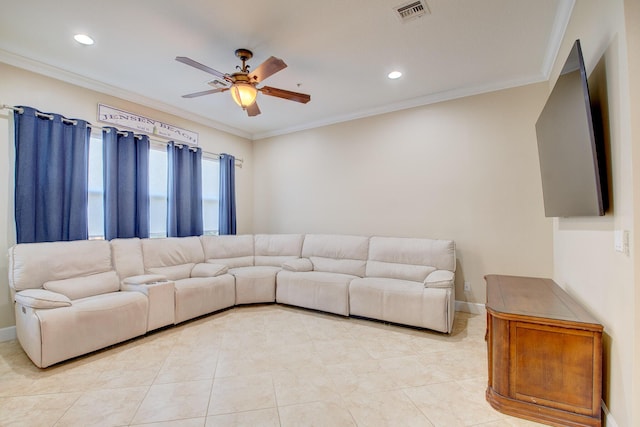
column 87, row 83
column 406, row 104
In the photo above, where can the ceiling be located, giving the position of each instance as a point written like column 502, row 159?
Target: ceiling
column 339, row 52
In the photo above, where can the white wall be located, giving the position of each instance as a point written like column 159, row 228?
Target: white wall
column 632, row 17
column 465, row 169
column 20, row 87
column 585, row 262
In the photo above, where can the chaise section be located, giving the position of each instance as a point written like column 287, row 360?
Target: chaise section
column 68, row 300
column 407, row 281
column 199, row 288
column 320, row 279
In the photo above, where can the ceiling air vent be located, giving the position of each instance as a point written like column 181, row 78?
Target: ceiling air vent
column 412, row 10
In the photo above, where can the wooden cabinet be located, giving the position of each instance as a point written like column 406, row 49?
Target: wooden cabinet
column 545, row 353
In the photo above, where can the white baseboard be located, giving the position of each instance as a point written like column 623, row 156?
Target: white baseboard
column 608, row 418
column 8, row 334
column 470, row 307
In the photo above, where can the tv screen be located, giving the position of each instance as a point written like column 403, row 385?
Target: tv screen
column 571, row 153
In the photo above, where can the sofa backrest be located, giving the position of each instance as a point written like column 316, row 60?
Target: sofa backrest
column 173, row 257
column 337, row 253
column 230, row 250
column 127, row 258
column 409, row 258
column 76, row 269
column 276, row 249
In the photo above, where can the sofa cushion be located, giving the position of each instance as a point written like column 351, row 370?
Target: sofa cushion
column 391, row 270
column 208, row 270
column 171, row 251
column 337, row 253
column 439, row 254
column 230, row 250
column 127, row 257
column 353, row 267
column 300, row 264
column 85, row 286
column 32, row 264
column 41, row 298
column 276, row 249
column 90, row 324
column 400, row 301
column 174, row 272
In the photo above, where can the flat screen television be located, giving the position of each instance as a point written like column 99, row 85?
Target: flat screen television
column 571, row 146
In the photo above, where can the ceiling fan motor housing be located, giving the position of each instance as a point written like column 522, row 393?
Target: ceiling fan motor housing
column 244, row 54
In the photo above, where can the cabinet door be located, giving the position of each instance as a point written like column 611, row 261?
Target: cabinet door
column 556, row 367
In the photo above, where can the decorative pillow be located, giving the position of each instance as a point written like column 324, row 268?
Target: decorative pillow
column 300, row 264
column 41, row 298
column 208, row 270
column 144, row 279
column 85, row 286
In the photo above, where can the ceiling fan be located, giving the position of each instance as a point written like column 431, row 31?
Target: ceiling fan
column 243, row 84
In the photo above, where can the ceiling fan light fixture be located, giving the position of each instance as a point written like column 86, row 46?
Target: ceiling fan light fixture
column 244, row 94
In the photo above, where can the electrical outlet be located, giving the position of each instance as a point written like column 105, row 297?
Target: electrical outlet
column 467, row 286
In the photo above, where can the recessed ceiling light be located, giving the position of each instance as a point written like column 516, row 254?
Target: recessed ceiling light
column 394, row 75
column 83, row 39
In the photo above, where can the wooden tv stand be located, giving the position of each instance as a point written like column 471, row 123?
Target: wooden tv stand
column 545, row 353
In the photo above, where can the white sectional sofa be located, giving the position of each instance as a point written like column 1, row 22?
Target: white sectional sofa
column 72, row 298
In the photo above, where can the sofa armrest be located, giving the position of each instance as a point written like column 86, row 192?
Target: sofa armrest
column 41, row 298
column 299, row 265
column 144, row 279
column 439, row 279
column 206, row 269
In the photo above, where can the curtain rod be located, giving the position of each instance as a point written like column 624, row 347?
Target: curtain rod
column 239, row 162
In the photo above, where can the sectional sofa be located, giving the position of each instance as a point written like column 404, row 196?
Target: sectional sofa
column 73, row 298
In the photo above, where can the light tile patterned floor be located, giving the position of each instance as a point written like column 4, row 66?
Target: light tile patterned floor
column 265, row 365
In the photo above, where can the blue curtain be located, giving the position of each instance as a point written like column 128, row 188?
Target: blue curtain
column 126, row 184
column 52, row 158
column 184, row 180
column 227, row 214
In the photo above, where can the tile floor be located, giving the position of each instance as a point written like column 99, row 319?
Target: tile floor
column 265, row 365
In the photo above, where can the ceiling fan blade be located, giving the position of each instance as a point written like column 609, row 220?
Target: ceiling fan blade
column 199, row 66
column 267, row 69
column 253, row 110
column 204, row 92
column 285, row 94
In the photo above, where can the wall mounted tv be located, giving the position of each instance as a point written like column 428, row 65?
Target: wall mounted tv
column 571, row 146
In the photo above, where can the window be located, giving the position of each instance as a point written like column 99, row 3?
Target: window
column 157, row 191
column 95, row 208
column 210, row 195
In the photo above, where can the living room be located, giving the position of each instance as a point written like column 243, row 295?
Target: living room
column 464, row 169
